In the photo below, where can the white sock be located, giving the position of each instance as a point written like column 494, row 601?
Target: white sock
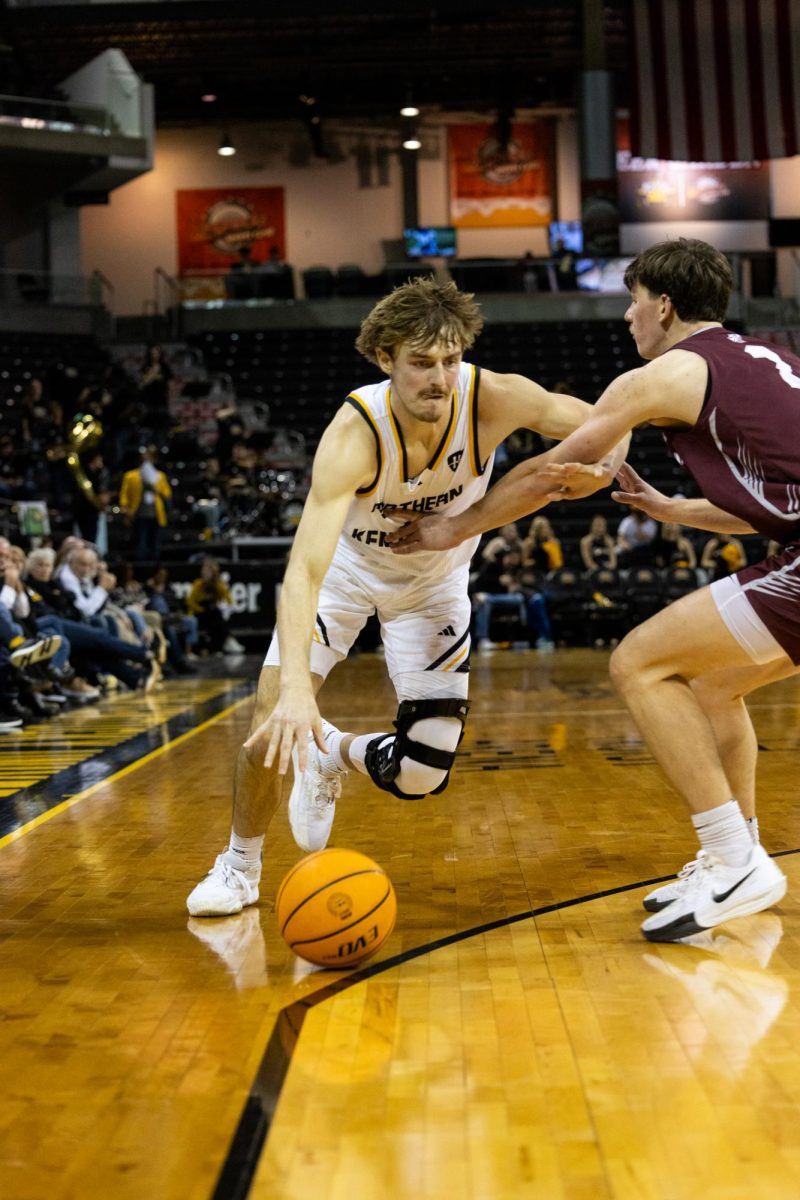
column 358, row 749
column 723, row 832
column 752, row 825
column 332, row 763
column 244, row 853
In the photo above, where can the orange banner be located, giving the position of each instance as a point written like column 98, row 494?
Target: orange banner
column 215, row 223
column 492, row 185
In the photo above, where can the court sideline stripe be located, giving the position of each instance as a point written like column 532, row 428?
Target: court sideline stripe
column 123, row 771
column 240, row 1165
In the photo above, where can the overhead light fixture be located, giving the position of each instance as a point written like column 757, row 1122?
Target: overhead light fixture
column 412, row 143
column 208, row 97
column 226, row 146
column 409, row 110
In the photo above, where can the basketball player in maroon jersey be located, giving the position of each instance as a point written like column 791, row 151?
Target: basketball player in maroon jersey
column 730, row 408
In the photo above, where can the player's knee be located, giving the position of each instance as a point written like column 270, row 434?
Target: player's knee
column 623, row 666
column 417, row 759
column 414, row 780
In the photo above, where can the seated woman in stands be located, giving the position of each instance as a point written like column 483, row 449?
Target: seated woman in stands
column 541, row 548
column 597, row 546
column 673, row 548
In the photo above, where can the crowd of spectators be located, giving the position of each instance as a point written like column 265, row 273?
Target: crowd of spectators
column 520, row 572
column 72, row 629
column 103, row 448
column 129, row 491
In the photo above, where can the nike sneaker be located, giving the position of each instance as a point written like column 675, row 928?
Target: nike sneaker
column 715, row 892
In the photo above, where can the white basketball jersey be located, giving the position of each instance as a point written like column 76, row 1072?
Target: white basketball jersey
column 455, row 478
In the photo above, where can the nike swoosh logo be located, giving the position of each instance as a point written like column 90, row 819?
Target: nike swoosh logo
column 724, row 895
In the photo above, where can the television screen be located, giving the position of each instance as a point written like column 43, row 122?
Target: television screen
column 568, row 233
column 605, row 275
column 784, row 231
column 430, row 242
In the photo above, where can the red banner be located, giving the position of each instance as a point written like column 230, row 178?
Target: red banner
column 492, row 184
column 215, row 223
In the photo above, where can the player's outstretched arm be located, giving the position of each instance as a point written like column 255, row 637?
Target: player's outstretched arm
column 344, row 462
column 529, row 486
column 694, row 513
column 656, row 392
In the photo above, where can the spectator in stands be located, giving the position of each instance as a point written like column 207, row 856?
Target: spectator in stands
column 41, row 422
column 530, row 282
column 230, row 431
column 505, row 540
column 242, row 281
column 636, row 534
column 129, row 601
column 566, row 274
column 60, row 680
column 497, row 585
column 93, row 648
column 722, row 555
column 23, row 650
column 89, row 505
column 541, row 548
column 673, row 548
column 597, row 546
column 210, row 600
column 274, row 263
column 70, row 543
column 87, row 586
column 181, row 630
column 154, row 389
column 144, row 496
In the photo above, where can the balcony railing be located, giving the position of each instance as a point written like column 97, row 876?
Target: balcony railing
column 26, row 112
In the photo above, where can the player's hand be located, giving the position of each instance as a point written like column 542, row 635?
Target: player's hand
column 634, row 492
column 289, row 724
column 571, row 481
column 422, row 533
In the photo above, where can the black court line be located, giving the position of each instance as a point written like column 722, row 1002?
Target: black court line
column 19, row 807
column 241, row 1162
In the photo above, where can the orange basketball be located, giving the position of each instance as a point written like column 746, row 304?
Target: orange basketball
column 336, row 907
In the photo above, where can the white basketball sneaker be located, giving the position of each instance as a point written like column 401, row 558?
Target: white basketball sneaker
column 715, row 892
column 664, row 895
column 224, row 891
column 312, row 801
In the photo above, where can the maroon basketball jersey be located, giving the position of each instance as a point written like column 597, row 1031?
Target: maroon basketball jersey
column 744, row 451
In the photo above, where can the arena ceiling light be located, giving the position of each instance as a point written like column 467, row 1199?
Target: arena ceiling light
column 409, row 110
column 226, row 147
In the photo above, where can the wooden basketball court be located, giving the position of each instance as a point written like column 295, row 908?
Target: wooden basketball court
column 515, row 1037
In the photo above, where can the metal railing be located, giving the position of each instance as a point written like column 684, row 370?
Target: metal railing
column 27, row 112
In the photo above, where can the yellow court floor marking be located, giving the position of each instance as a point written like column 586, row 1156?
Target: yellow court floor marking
column 65, row 804
column 31, row 755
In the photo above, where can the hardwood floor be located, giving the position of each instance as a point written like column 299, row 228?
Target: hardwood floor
column 516, row 1036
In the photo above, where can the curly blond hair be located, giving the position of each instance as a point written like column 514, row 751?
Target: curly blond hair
column 420, row 313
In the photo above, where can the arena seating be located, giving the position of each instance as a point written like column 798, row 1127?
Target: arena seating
column 304, row 374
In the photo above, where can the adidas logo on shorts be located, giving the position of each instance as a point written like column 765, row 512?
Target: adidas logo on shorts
column 448, row 631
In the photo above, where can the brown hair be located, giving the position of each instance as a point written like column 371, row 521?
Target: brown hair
column 697, row 278
column 420, row 313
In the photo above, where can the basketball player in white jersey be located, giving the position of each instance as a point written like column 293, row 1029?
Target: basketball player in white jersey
column 421, row 441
